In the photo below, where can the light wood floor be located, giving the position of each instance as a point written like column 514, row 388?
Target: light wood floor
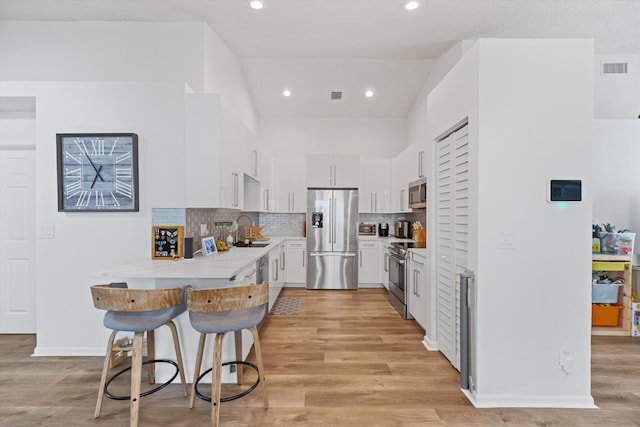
column 347, row 360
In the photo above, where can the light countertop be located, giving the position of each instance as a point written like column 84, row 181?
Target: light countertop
column 220, row 265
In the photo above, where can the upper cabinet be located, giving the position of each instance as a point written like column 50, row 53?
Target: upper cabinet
column 375, row 185
column 406, row 167
column 288, row 190
column 328, row 170
column 217, row 154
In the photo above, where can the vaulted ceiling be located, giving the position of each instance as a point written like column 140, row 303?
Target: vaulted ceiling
column 314, row 47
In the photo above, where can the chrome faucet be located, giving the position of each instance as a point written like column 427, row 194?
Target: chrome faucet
column 238, row 222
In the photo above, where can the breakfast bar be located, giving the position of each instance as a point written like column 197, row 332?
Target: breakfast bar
column 230, row 268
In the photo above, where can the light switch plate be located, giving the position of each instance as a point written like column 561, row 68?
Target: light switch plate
column 47, row 231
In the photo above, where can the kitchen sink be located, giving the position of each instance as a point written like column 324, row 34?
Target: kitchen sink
column 252, row 245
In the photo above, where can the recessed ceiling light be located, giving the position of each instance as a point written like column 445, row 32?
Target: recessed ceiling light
column 368, row 93
column 256, row 4
column 286, row 92
column 411, row 5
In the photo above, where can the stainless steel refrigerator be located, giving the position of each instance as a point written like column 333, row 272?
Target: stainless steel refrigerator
column 332, row 238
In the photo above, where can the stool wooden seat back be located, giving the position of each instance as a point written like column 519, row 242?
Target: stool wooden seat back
column 139, row 311
column 222, row 310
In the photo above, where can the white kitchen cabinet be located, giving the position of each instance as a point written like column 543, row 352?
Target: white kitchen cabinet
column 276, row 273
column 383, row 267
column 329, row 170
column 406, row 167
column 368, row 263
column 375, row 185
column 216, row 153
column 288, row 190
column 417, row 287
column 295, row 261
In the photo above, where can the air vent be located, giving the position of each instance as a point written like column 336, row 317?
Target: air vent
column 614, row 68
column 336, row 96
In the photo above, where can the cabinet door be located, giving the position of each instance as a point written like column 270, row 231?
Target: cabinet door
column 289, row 189
column 384, row 264
column 319, row 170
column 368, row 263
column 326, row 170
column 417, row 289
column 296, row 264
column 346, row 170
column 374, row 187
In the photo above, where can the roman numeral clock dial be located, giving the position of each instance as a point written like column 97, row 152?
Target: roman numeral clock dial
column 97, row 172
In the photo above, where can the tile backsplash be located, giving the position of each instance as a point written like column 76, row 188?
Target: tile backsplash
column 275, row 224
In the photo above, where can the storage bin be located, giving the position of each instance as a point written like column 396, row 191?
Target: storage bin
column 605, row 315
column 617, row 243
column 605, row 292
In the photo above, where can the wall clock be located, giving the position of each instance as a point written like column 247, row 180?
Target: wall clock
column 97, row 172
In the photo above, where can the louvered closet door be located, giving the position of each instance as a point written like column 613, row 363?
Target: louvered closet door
column 452, row 209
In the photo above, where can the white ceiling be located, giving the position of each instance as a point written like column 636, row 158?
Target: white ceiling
column 318, row 46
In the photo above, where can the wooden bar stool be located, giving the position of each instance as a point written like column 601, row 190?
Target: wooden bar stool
column 138, row 311
column 222, row 310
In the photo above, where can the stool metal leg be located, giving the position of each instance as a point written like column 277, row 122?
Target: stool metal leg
column 176, row 346
column 105, row 370
column 258, row 349
column 239, row 367
column 216, row 375
column 196, row 372
column 136, row 373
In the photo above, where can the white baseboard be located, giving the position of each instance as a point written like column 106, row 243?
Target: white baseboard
column 430, row 344
column 524, row 401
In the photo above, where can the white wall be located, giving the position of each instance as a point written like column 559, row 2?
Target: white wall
column 125, row 51
column 86, row 243
column 530, row 119
column 617, row 95
column 371, row 137
column 107, row 77
column 616, row 175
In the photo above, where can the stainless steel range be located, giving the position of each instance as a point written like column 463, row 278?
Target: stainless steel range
column 398, row 295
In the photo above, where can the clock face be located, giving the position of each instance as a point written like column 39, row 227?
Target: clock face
column 97, row 172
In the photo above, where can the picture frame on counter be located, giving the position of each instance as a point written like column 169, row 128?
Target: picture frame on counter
column 209, row 246
column 167, row 242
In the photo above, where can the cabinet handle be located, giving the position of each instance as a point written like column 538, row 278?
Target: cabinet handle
column 274, row 275
column 254, row 163
column 304, row 256
column 360, row 259
column 375, row 204
column 372, row 205
column 282, row 257
column 234, row 177
column 293, row 201
column 386, row 262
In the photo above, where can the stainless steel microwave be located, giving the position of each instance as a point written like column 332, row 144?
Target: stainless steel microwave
column 418, row 194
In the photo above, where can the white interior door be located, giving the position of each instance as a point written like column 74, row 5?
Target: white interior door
column 452, row 210
column 17, row 241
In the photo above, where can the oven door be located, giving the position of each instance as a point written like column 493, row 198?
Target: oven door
column 397, row 266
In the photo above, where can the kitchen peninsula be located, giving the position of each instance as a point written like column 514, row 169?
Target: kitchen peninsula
column 229, row 268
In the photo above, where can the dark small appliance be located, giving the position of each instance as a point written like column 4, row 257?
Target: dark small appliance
column 383, row 229
column 188, row 247
column 402, row 229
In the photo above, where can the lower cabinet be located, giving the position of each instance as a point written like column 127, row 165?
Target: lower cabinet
column 368, row 264
column 276, row 273
column 417, row 287
column 295, row 261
